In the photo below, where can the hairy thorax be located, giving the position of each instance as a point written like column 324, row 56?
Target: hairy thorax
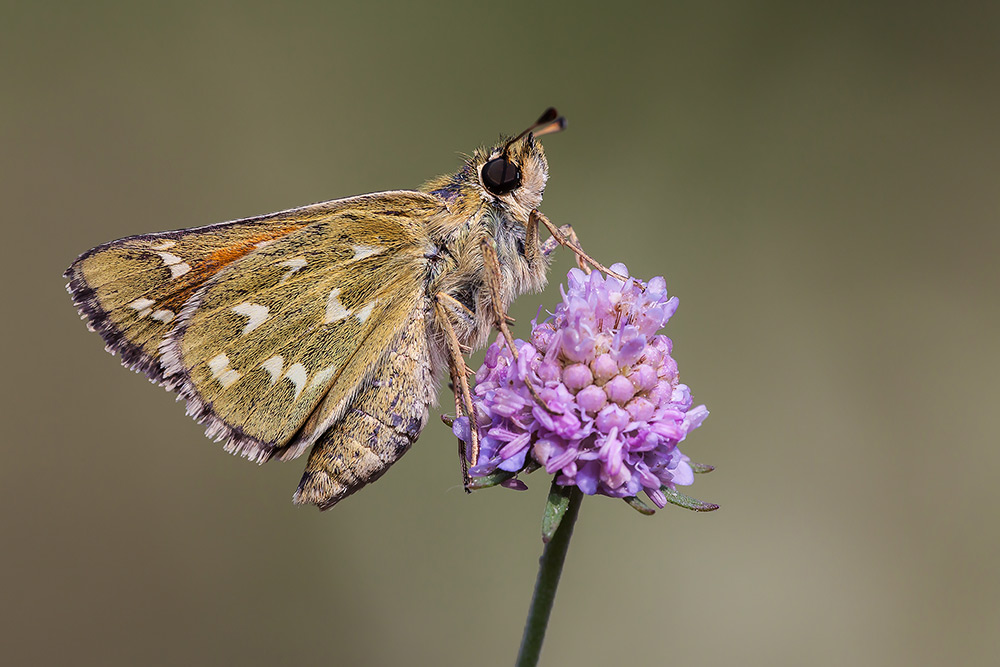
column 458, row 270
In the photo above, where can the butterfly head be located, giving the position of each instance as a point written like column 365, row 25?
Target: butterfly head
column 510, row 176
column 513, row 173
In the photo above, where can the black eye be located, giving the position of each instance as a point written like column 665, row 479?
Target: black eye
column 500, row 176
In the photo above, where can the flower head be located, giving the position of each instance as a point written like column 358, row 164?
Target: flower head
column 611, row 410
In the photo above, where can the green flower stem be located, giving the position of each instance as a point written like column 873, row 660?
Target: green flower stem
column 550, row 567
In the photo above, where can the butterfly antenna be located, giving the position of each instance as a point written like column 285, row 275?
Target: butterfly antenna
column 548, row 123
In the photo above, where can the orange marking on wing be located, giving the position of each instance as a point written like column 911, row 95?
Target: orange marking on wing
column 205, row 269
column 224, row 256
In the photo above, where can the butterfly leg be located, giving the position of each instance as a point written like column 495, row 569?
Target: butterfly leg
column 565, row 236
column 500, row 318
column 534, row 251
column 492, row 275
column 550, row 244
column 459, row 406
column 462, row 453
column 459, row 375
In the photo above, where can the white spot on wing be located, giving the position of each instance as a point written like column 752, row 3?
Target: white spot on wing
column 219, row 365
column 363, row 313
column 274, row 366
column 297, row 374
column 143, row 306
column 257, row 313
column 164, row 245
column 362, row 251
column 169, row 258
column 322, row 376
column 178, row 267
column 218, row 362
column 228, row 378
column 262, row 244
column 335, row 310
column 163, row 315
column 295, row 264
column 177, row 270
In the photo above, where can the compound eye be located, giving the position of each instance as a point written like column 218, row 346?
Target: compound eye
column 500, row 176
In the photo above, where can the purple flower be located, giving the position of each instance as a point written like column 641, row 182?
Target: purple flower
column 612, row 410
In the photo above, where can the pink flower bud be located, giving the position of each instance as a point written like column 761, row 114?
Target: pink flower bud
column 604, row 368
column 643, row 377
column 611, row 417
column 548, row 371
column 640, row 409
column 619, row 389
column 592, row 398
column 577, row 376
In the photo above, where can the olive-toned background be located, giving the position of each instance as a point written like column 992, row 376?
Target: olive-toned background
column 819, row 185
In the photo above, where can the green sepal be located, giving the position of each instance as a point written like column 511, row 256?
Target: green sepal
column 486, row 481
column 639, row 506
column 687, row 502
column 500, row 476
column 449, row 420
column 700, row 468
column 555, row 509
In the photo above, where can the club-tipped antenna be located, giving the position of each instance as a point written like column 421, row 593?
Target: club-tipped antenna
column 549, row 122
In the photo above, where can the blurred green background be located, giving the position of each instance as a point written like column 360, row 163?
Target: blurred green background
column 818, row 184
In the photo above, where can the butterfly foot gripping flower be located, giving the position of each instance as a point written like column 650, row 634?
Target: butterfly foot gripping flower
column 593, row 397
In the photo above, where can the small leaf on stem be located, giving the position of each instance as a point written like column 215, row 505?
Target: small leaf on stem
column 687, row 502
column 555, row 509
column 486, row 481
column 639, row 506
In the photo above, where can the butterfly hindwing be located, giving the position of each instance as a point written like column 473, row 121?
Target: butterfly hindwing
column 379, row 425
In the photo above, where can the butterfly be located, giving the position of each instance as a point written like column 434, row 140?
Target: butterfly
column 330, row 325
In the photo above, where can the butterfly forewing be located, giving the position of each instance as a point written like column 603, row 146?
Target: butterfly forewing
column 255, row 322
